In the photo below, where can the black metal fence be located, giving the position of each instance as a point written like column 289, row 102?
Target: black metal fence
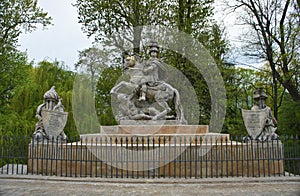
column 185, row 156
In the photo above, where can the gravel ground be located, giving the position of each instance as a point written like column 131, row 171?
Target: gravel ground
column 43, row 185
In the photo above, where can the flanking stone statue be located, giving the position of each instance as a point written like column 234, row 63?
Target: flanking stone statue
column 52, row 118
column 259, row 121
column 149, row 93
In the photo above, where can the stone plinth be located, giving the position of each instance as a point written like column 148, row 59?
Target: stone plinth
column 104, row 159
column 154, row 129
column 156, row 151
column 149, row 122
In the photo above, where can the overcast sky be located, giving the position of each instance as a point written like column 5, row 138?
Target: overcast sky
column 64, row 38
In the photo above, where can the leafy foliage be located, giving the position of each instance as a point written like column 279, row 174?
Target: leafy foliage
column 102, row 19
column 274, row 36
column 289, row 115
column 17, row 17
column 14, row 72
column 105, row 83
column 22, row 86
column 20, row 115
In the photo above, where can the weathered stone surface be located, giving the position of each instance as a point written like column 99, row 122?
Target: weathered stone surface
column 255, row 121
column 209, row 160
column 149, row 122
column 154, row 129
column 148, row 94
column 54, row 122
column 259, row 122
column 51, row 118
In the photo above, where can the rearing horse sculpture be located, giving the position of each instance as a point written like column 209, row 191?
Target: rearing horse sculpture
column 159, row 91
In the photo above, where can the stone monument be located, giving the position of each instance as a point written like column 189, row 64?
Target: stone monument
column 148, row 92
column 51, row 118
column 259, row 121
column 153, row 137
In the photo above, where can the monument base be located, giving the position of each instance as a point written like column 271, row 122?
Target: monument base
column 156, row 151
column 154, row 129
column 149, row 122
column 105, row 159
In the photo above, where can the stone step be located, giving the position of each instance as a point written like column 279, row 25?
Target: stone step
column 154, row 129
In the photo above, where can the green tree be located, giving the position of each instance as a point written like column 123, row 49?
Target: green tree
column 288, row 117
column 239, row 92
column 102, row 19
column 106, row 82
column 19, row 118
column 17, row 17
column 14, row 71
column 20, row 115
column 92, row 61
column 195, row 18
column 274, row 36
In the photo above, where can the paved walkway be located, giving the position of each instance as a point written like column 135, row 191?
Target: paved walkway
column 50, row 185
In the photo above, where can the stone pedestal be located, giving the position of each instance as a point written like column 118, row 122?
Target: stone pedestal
column 198, row 159
column 157, row 151
column 154, row 129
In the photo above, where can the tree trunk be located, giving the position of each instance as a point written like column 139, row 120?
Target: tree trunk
column 275, row 42
column 275, row 97
column 181, row 24
column 137, row 31
column 137, row 39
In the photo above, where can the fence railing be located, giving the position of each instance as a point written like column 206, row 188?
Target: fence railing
column 180, row 156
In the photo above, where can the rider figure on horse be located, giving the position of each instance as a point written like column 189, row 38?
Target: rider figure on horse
column 154, row 71
column 148, row 93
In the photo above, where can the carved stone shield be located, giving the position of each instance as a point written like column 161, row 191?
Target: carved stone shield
column 54, row 122
column 255, row 121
